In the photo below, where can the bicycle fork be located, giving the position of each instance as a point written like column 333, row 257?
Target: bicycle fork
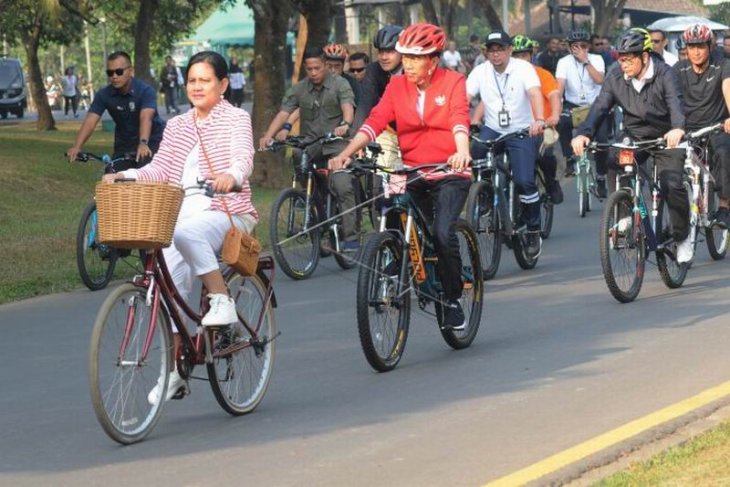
column 152, row 301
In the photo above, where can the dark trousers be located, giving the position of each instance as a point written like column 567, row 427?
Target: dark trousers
column 70, row 102
column 170, row 98
column 670, row 168
column 522, row 155
column 442, row 201
column 720, row 163
column 565, row 128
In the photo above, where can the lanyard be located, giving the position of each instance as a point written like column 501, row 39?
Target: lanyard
column 581, row 74
column 504, row 87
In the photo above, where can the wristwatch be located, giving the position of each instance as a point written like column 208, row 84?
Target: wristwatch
column 345, row 122
column 143, row 141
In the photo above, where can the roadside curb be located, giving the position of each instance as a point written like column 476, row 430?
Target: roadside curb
column 640, row 448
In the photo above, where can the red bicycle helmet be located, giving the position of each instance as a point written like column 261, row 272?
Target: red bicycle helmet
column 697, row 34
column 335, row 52
column 421, row 39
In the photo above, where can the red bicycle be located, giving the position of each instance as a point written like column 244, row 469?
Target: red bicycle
column 132, row 347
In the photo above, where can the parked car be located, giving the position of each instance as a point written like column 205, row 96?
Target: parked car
column 13, row 95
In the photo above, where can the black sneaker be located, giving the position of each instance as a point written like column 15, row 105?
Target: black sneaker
column 533, row 243
column 569, row 168
column 722, row 218
column 453, row 316
column 556, row 193
column 601, row 191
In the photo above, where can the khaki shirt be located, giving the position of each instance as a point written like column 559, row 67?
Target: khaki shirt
column 320, row 106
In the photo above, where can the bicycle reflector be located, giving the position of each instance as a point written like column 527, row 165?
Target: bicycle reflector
column 625, row 157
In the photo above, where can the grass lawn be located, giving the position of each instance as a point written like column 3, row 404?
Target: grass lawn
column 42, row 199
column 703, row 461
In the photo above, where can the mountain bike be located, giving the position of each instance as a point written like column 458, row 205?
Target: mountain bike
column 704, row 201
column 401, row 258
column 301, row 218
column 96, row 261
column 131, row 348
column 630, row 229
column 493, row 207
column 585, row 180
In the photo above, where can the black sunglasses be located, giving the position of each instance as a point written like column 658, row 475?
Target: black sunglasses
column 118, row 71
column 357, row 70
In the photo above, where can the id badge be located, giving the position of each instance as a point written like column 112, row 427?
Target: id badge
column 504, row 119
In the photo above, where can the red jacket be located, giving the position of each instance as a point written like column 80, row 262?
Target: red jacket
column 431, row 139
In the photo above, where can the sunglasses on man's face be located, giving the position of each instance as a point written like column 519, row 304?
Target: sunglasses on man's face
column 118, row 71
column 357, row 70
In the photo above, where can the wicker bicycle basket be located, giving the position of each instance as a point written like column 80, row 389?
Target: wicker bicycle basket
column 137, row 215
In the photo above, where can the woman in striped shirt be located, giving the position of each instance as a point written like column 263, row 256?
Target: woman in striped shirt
column 214, row 134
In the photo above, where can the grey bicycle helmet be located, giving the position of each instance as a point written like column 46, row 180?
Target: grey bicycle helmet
column 578, row 36
column 387, row 37
column 634, row 41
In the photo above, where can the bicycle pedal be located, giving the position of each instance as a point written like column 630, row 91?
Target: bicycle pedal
column 181, row 392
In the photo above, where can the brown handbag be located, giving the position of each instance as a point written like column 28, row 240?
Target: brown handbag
column 240, row 250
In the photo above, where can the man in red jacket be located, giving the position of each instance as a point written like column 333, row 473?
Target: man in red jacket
column 428, row 105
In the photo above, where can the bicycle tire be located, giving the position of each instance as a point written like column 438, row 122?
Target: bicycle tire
column 378, row 297
column 297, row 257
column 620, row 205
column 240, row 378
column 672, row 273
column 717, row 238
column 484, row 219
column 95, row 262
column 525, row 261
column 581, row 184
column 128, row 390
column 472, row 298
column 546, row 219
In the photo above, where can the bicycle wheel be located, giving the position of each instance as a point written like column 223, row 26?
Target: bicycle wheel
column 484, row 219
column 120, row 384
column 547, row 216
column 717, row 238
column 243, row 356
column 472, row 295
column 95, row 261
column 524, row 260
column 622, row 246
column 672, row 272
column 383, row 304
column 296, row 248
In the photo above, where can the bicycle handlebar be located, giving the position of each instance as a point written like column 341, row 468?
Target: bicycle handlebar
column 105, row 158
column 298, row 141
column 372, row 166
column 502, row 138
column 698, row 134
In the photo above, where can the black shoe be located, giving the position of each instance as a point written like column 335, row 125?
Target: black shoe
column 569, row 168
column 722, row 218
column 533, row 243
column 555, row 192
column 601, row 191
column 453, row 317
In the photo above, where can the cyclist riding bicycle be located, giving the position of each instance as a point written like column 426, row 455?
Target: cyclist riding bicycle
column 326, row 103
column 132, row 104
column 213, row 135
column 510, row 91
column 648, row 92
column 335, row 56
column 428, row 104
column 705, row 81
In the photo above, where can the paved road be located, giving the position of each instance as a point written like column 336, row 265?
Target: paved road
column 557, row 361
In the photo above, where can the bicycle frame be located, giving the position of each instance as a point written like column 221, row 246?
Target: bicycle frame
column 490, row 168
column 161, row 291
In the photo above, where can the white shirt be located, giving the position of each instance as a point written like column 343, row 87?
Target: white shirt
column 451, row 59
column 580, row 89
column 237, row 81
column 195, row 201
column 518, row 77
column 69, row 85
column 669, row 58
column 638, row 84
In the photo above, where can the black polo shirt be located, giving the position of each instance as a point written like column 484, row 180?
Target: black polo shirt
column 124, row 110
column 704, row 103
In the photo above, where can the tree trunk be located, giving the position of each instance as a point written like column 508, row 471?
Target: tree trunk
column 271, row 22
column 429, row 11
column 493, row 18
column 145, row 16
column 606, row 14
column 38, row 91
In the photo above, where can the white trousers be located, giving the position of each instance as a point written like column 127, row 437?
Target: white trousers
column 196, row 243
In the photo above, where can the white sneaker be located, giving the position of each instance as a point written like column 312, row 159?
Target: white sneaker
column 222, row 311
column 624, row 224
column 685, row 251
column 174, row 385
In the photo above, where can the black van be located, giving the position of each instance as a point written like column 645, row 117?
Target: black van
column 13, row 96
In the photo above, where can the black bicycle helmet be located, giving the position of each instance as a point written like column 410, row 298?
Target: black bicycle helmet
column 634, row 41
column 387, row 37
column 578, row 36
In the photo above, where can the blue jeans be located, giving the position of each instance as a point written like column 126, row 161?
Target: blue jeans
column 522, row 155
